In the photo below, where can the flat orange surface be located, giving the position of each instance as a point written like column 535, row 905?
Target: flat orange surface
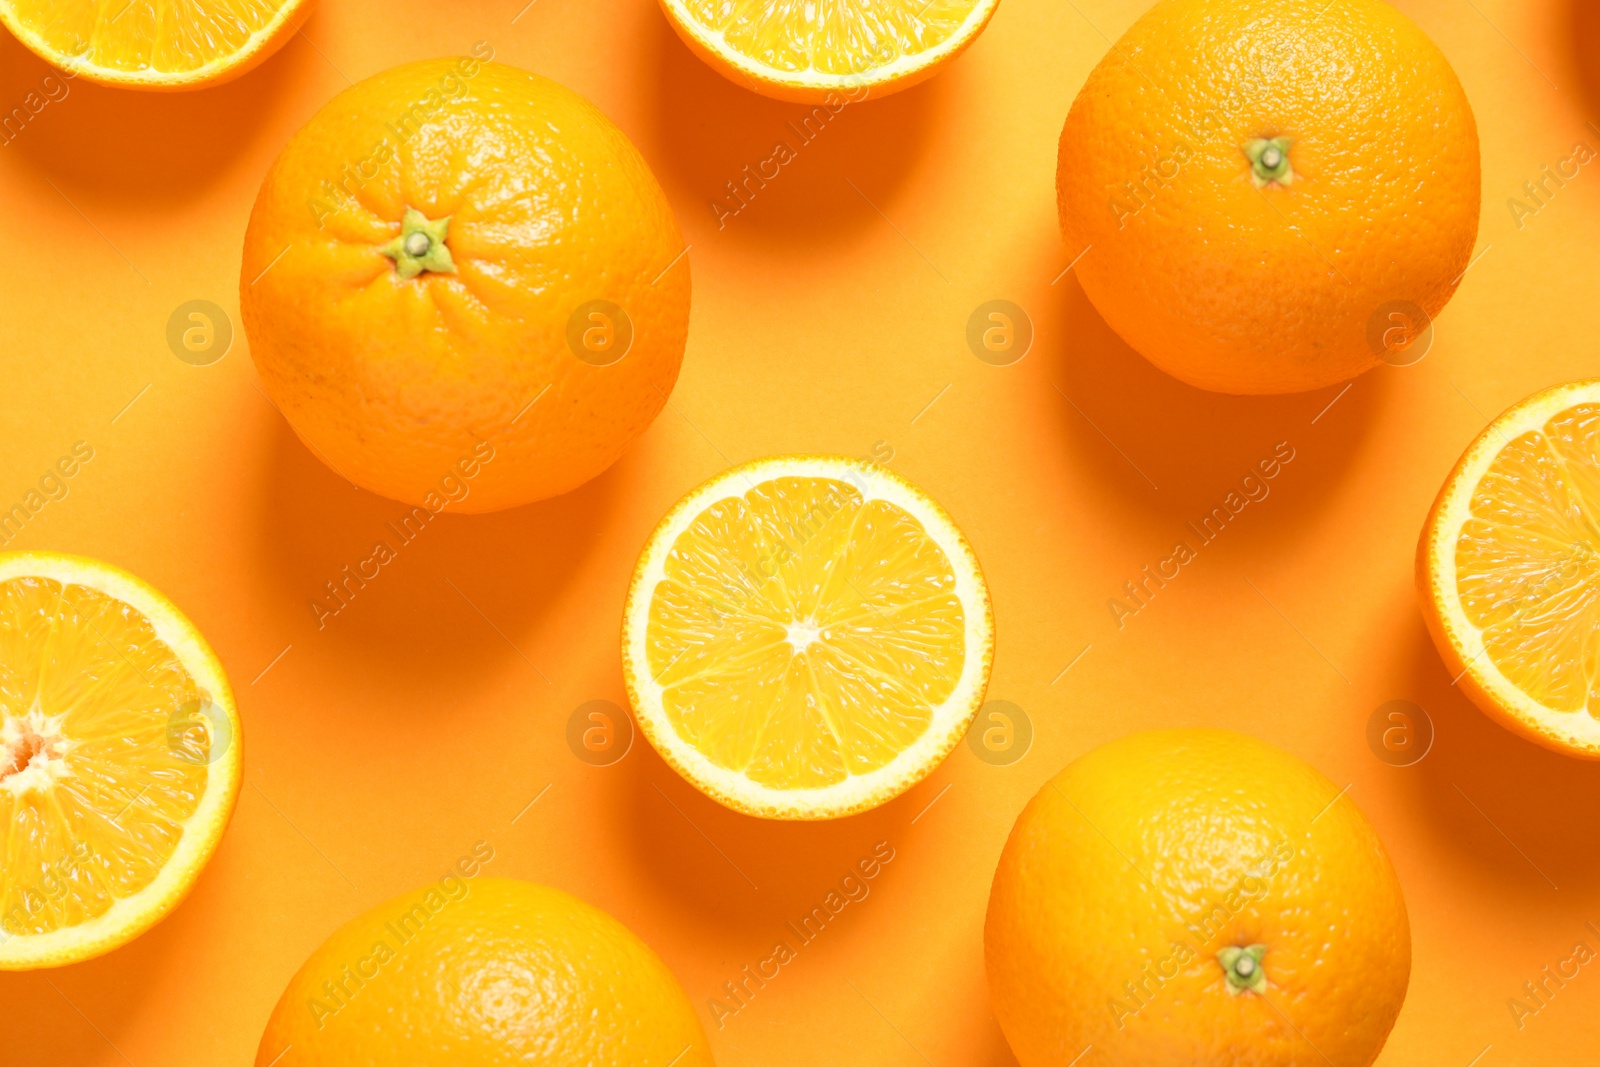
column 829, row 315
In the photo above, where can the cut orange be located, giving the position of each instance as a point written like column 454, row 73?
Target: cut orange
column 119, row 758
column 154, row 44
column 808, row 51
column 1508, row 569
column 806, row 637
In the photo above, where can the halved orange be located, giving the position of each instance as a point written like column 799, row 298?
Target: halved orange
column 154, row 44
column 119, row 758
column 829, row 52
column 806, row 637
column 1508, row 569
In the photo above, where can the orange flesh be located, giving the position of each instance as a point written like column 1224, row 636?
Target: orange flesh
column 802, row 635
column 839, row 37
column 1528, row 561
column 103, row 753
column 166, row 36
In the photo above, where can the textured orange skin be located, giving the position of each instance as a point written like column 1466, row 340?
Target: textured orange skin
column 1242, row 290
column 1070, row 920
column 510, row 973
column 395, row 383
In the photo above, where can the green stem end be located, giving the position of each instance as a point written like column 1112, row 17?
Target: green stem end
column 1242, row 968
column 1269, row 161
column 421, row 246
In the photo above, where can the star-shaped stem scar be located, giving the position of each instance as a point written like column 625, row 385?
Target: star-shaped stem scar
column 421, row 246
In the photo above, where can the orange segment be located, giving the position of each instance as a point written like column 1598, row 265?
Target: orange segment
column 1509, row 568
column 805, row 636
column 118, row 758
column 154, row 44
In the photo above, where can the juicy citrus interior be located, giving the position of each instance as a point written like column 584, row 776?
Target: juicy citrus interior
column 838, row 37
column 150, row 40
column 95, row 785
column 1528, row 561
column 802, row 634
column 806, row 636
column 119, row 758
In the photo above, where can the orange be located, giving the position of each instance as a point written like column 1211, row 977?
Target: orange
column 1270, row 195
column 830, row 53
column 150, row 44
column 806, row 637
column 1195, row 898
column 463, row 286
column 472, row 971
column 119, row 758
column 1508, row 569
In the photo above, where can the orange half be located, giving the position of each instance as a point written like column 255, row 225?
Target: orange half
column 806, row 637
column 1508, row 569
column 154, row 44
column 831, row 51
column 119, row 758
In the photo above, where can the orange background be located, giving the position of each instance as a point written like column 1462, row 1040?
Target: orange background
column 827, row 316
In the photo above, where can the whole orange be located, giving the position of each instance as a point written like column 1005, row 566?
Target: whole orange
column 463, row 286
column 1195, row 898
column 1270, row 195
column 473, row 971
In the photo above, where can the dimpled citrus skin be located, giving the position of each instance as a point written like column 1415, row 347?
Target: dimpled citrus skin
column 508, row 973
column 1131, row 849
column 1270, row 290
column 395, row 382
